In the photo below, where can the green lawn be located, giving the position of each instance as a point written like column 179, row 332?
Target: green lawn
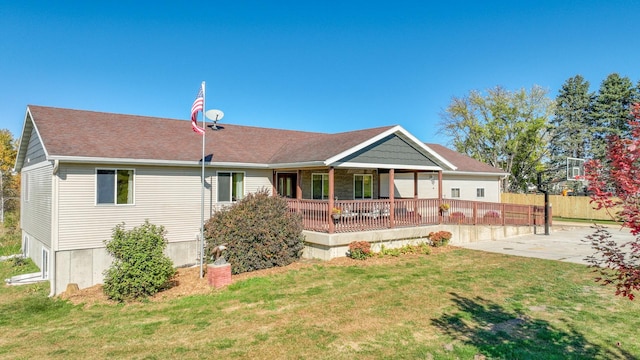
column 445, row 306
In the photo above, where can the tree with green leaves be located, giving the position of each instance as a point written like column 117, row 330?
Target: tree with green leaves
column 10, row 181
column 611, row 111
column 506, row 129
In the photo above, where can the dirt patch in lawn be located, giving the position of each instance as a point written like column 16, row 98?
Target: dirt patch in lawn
column 188, row 282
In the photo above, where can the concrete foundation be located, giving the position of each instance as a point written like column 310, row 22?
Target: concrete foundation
column 328, row 246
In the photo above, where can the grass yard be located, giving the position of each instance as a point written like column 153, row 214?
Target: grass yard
column 453, row 305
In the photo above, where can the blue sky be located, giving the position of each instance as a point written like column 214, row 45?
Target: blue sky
column 328, row 66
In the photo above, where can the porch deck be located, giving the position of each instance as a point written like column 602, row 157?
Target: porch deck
column 364, row 215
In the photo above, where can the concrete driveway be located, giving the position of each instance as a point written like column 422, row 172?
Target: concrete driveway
column 565, row 242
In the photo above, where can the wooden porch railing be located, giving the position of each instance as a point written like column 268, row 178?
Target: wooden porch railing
column 362, row 215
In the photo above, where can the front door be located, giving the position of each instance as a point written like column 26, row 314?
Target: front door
column 287, row 185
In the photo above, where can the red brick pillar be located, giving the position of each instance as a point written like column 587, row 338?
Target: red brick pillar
column 219, row 275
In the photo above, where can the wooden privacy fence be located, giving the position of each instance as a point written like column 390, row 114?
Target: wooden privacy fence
column 574, row 207
column 362, row 215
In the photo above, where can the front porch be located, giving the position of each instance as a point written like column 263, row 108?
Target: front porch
column 380, row 214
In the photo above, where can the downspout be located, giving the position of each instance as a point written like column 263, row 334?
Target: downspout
column 54, row 228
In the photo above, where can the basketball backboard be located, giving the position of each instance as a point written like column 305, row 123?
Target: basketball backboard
column 575, row 169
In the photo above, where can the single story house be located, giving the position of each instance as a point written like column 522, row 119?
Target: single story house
column 83, row 172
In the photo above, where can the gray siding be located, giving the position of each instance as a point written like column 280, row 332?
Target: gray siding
column 391, row 150
column 35, row 151
column 36, row 212
column 166, row 196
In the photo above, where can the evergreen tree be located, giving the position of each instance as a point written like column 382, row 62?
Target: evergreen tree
column 571, row 124
column 611, row 111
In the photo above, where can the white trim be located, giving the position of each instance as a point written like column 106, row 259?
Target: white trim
column 244, row 186
column 385, row 166
column 28, row 117
column 25, row 245
column 299, row 165
column 323, row 175
column 115, row 185
column 128, row 161
column 46, row 264
column 354, row 186
column 36, row 166
column 474, row 173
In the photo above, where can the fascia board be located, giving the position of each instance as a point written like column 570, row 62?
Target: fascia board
column 306, row 164
column 385, row 166
column 23, row 147
column 500, row 174
column 101, row 160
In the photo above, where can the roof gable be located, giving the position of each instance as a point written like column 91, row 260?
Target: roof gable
column 390, row 151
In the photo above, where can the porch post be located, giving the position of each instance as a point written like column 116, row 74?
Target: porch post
column 332, row 226
column 440, row 184
column 415, row 184
column 392, row 194
column 274, row 184
column 299, row 185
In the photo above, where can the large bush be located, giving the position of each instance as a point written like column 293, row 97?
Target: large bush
column 140, row 268
column 259, row 232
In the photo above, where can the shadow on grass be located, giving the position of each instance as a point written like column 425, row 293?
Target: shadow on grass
column 503, row 334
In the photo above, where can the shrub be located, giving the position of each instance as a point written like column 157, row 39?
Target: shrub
column 359, row 250
column 140, row 268
column 439, row 238
column 259, row 232
column 421, row 248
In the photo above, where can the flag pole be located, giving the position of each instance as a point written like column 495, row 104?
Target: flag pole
column 204, row 126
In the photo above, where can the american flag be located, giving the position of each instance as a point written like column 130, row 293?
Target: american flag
column 195, row 108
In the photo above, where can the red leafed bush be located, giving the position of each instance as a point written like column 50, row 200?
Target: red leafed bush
column 614, row 184
column 439, row 238
column 359, row 250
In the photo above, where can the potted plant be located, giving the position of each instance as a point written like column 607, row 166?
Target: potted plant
column 335, row 213
column 444, row 207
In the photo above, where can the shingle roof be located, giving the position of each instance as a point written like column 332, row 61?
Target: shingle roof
column 79, row 133
column 463, row 162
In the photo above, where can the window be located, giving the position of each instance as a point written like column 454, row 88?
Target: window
column 114, row 186
column 480, row 192
column 230, row 186
column 455, row 192
column 25, row 246
column 320, row 186
column 363, row 187
column 45, row 263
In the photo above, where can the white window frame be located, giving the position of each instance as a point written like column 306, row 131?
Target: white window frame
column 231, row 175
column 480, row 193
column 25, row 246
column 370, row 176
column 325, row 177
column 115, row 187
column 454, row 191
column 45, row 263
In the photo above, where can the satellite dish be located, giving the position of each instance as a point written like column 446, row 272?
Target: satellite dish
column 214, row 114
